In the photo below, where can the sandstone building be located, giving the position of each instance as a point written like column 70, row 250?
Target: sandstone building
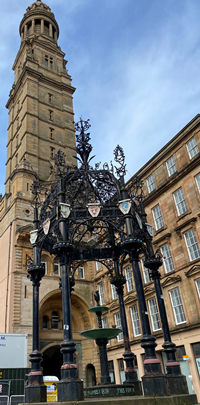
column 41, row 122
column 172, row 189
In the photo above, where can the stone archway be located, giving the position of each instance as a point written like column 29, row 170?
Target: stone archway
column 51, row 337
column 90, row 375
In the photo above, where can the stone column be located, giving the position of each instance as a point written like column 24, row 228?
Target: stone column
column 42, row 26
column 50, row 30
column 25, row 31
column 33, row 26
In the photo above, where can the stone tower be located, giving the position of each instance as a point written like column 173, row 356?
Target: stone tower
column 40, row 122
column 40, row 102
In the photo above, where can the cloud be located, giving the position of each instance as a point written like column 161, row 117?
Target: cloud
column 135, row 66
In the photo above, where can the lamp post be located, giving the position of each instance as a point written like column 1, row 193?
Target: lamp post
column 176, row 381
column 36, row 390
column 154, row 382
column 69, row 386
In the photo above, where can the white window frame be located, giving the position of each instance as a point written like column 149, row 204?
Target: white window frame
column 105, row 325
column 58, row 264
column 171, row 166
column 167, row 258
column 154, row 314
column 83, row 272
column 150, row 183
column 135, row 320
column 43, row 261
column 101, row 294
column 98, row 266
column 177, row 305
column 197, row 178
column 129, row 279
column 180, row 201
column 192, row 147
column 158, row 219
column 192, row 248
column 197, row 282
column 145, row 271
column 114, row 291
column 118, row 324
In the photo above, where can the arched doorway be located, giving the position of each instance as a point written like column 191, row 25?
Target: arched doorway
column 90, row 375
column 51, row 332
column 52, row 361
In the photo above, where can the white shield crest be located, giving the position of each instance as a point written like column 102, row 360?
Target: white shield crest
column 46, row 226
column 64, row 210
column 33, row 236
column 139, row 221
column 149, row 229
column 125, row 206
column 94, row 209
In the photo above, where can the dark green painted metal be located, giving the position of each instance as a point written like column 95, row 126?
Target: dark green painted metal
column 109, row 333
column 99, row 308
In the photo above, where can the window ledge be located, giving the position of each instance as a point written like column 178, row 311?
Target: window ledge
column 162, row 237
column 178, row 228
column 195, row 260
column 183, row 215
column 160, row 230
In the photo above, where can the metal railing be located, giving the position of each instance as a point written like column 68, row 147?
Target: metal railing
column 17, row 399
column 4, row 400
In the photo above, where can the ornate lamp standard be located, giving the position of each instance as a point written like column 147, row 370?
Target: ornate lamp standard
column 154, row 382
column 70, row 386
column 88, row 201
column 36, row 390
column 176, row 381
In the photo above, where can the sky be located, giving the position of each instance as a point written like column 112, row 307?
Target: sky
column 135, row 65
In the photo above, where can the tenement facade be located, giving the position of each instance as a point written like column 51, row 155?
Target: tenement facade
column 172, row 189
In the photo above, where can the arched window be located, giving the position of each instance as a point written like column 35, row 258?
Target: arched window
column 45, row 322
column 56, row 268
column 54, row 320
column 43, row 261
column 81, row 272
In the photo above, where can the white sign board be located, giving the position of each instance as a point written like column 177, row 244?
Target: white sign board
column 13, row 350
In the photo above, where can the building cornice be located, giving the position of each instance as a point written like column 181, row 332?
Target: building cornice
column 169, row 146
column 170, row 182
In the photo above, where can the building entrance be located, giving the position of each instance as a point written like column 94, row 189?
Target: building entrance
column 52, row 361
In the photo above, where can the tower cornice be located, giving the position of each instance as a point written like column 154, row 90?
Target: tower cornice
column 40, row 76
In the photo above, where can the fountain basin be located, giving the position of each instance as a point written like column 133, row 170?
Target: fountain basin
column 103, row 333
column 98, row 308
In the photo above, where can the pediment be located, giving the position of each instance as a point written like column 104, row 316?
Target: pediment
column 114, row 305
column 194, row 270
column 130, row 298
column 171, row 280
column 148, row 290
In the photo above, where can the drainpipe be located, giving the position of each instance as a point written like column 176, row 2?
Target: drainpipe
column 8, row 278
